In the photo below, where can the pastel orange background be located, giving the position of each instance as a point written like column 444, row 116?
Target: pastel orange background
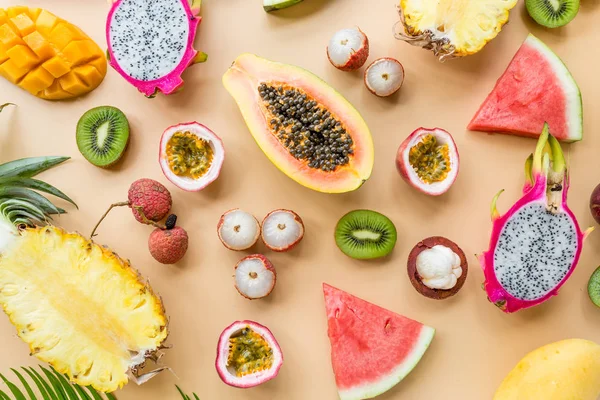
column 476, row 344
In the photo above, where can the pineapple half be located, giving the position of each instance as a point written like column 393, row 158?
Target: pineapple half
column 79, row 306
column 452, row 28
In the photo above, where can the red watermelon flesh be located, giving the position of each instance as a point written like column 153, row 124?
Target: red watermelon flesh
column 537, row 87
column 372, row 349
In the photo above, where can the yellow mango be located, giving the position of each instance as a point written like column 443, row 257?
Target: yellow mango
column 48, row 56
column 565, row 370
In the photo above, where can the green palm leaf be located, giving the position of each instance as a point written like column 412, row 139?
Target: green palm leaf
column 51, row 386
column 185, row 396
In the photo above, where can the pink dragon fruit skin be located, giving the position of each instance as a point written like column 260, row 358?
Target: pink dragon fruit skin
column 172, row 81
column 547, row 185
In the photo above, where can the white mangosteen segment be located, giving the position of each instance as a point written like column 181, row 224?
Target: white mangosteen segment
column 348, row 49
column 255, row 277
column 238, row 229
column 282, row 230
column 409, row 173
column 216, row 144
column 227, row 375
column 384, row 76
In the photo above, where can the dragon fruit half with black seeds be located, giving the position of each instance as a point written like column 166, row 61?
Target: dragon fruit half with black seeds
column 150, row 42
column 536, row 245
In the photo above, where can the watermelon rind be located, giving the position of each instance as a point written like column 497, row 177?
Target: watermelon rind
column 374, row 389
column 574, row 102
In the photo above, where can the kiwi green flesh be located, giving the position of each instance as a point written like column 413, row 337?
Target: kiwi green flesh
column 594, row 287
column 365, row 234
column 273, row 5
column 103, row 135
column 552, row 13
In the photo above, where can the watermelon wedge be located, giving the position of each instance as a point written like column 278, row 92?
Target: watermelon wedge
column 537, row 87
column 372, row 349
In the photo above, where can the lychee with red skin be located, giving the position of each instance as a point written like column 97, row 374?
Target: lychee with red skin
column 348, row 49
column 168, row 246
column 152, row 197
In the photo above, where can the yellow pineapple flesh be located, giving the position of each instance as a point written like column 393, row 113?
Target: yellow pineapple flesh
column 48, row 56
column 453, row 28
column 79, row 306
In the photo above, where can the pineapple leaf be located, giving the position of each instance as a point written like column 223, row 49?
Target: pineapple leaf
column 36, row 185
column 28, row 167
column 28, row 195
column 110, row 396
column 24, row 384
column 4, row 396
column 6, row 105
column 14, row 389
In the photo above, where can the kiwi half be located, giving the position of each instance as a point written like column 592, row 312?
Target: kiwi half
column 594, row 287
column 103, row 135
column 552, row 13
column 365, row 234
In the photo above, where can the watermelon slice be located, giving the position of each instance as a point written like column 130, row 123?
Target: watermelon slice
column 372, row 349
column 537, row 87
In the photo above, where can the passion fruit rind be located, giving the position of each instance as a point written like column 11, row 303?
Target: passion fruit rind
column 415, row 278
column 429, row 148
column 247, row 355
column 195, row 161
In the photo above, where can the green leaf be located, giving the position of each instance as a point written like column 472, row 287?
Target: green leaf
column 6, row 105
column 28, row 167
column 47, row 392
column 60, row 393
column 4, row 396
column 94, row 393
column 66, row 385
column 14, row 389
column 82, row 393
column 183, row 395
column 37, row 199
column 110, row 396
column 24, row 384
column 196, row 396
column 35, row 184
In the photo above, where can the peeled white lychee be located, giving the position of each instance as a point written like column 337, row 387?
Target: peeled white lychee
column 238, row 230
column 282, row 230
column 255, row 277
column 348, row 49
column 384, row 76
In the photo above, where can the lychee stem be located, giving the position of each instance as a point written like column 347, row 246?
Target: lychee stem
column 126, row 203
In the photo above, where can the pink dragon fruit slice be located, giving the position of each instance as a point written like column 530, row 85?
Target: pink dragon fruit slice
column 150, row 42
column 536, row 245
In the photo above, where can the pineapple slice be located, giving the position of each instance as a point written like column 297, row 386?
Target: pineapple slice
column 79, row 306
column 452, row 28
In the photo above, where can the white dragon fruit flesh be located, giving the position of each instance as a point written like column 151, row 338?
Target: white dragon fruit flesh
column 150, row 42
column 536, row 245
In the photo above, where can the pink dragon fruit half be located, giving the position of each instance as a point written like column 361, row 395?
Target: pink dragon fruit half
column 150, row 42
column 536, row 245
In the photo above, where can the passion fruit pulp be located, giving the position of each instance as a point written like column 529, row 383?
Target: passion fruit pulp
column 247, row 355
column 428, row 160
column 191, row 156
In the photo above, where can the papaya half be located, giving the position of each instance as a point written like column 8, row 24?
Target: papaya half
column 305, row 127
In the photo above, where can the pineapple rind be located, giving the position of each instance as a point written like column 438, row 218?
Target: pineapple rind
column 79, row 306
column 468, row 25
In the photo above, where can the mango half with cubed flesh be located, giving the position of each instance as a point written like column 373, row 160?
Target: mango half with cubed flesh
column 306, row 128
column 47, row 56
column 565, row 370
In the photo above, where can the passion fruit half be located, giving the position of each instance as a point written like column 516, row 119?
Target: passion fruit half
column 191, row 156
column 428, row 160
column 247, row 355
column 437, row 268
